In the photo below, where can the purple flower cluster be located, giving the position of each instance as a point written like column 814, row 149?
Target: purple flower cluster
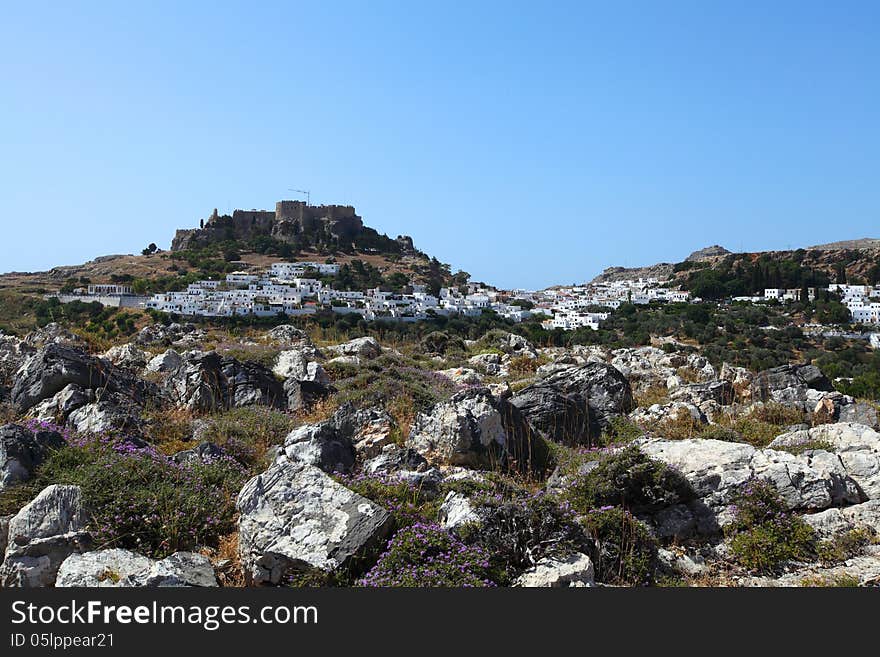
column 426, row 555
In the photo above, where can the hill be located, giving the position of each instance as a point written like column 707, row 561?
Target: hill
column 247, row 240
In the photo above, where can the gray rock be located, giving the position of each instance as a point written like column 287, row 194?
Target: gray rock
column 103, row 568
column 837, row 521
column 22, row 450
column 182, row 569
column 333, row 444
column 59, row 407
column 321, row 445
column 856, row 447
column 105, row 416
column 50, row 334
column 698, row 393
column 303, row 395
column 302, row 364
column 51, row 369
column 161, row 334
column 474, row 429
column 788, row 384
column 204, row 452
column 456, row 510
column 127, row 355
column 860, row 413
column 717, row 470
column 366, row 347
column 489, row 363
column 285, row 334
column 462, row 376
column 575, row 570
column 559, row 417
column 42, row 535
column 394, row 459
column 294, row 517
column 205, row 381
column 122, row 568
column 57, row 366
column 167, row 361
column 579, row 401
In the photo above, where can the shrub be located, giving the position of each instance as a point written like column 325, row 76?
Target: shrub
column 407, row 503
column 753, row 431
column 628, row 478
column 846, row 545
column 621, row 432
column 142, row 501
column 522, row 366
column 838, row 580
column 518, row 533
column 778, row 414
column 764, row 535
column 656, row 394
column 384, row 379
column 681, row 427
column 425, row 555
column 718, row 432
column 625, row 552
column 442, row 343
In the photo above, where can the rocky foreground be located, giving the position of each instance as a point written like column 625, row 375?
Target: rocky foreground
column 194, row 458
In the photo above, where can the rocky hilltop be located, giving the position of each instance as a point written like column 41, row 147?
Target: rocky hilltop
column 292, row 222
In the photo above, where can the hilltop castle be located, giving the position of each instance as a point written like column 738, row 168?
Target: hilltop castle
column 289, row 220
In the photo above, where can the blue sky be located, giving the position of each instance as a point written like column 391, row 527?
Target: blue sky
column 527, row 143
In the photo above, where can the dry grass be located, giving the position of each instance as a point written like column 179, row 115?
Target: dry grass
column 320, row 411
column 7, row 413
column 170, row 430
column 230, row 572
column 687, row 374
column 679, row 428
column 403, row 410
column 656, row 394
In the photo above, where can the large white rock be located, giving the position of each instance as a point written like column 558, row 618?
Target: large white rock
column 856, row 446
column 294, row 517
column 366, row 347
column 122, row 568
column 832, row 522
column 302, row 364
column 42, row 535
column 717, row 470
column 167, row 361
column 572, row 571
column 456, row 510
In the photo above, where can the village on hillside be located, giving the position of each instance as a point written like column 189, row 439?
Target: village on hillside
column 300, row 288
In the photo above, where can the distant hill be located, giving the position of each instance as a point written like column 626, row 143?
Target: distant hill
column 866, row 243
column 715, row 272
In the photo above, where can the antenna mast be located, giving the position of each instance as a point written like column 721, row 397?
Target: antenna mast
column 303, row 191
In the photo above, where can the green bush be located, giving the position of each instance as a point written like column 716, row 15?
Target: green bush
column 628, row 478
column 846, row 545
column 140, row 500
column 518, row 533
column 625, row 552
column 764, row 534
